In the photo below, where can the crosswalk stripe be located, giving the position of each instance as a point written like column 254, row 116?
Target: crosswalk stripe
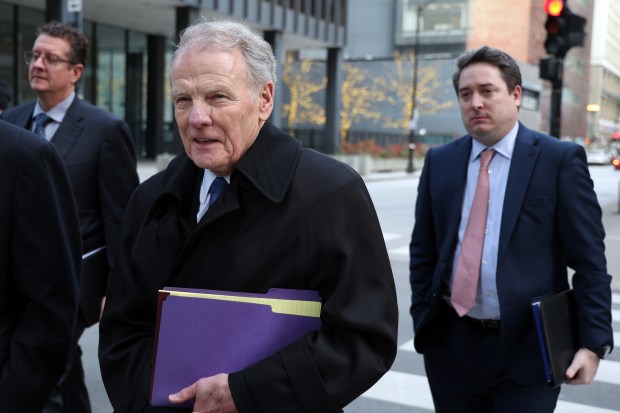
column 399, row 251
column 413, row 390
column 389, row 236
column 402, row 388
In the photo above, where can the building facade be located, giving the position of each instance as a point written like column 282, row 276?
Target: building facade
column 132, row 44
column 604, row 95
column 440, row 30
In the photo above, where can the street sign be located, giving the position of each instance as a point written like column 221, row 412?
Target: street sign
column 74, row 6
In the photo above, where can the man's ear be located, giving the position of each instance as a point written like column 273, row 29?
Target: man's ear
column 266, row 101
column 76, row 71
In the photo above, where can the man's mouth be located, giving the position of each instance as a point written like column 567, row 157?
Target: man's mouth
column 205, row 140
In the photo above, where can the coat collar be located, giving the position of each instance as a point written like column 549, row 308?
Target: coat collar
column 268, row 165
column 270, row 162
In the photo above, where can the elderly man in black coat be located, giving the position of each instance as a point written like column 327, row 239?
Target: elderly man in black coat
column 288, row 217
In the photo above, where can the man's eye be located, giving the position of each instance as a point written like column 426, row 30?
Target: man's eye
column 36, row 55
column 181, row 100
column 52, row 58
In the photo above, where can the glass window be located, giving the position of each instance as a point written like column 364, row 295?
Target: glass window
column 28, row 21
column 6, row 48
column 111, row 66
column 434, row 17
column 86, row 87
column 136, row 105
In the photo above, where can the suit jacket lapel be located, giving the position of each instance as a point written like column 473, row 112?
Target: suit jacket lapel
column 459, row 163
column 70, row 129
column 24, row 117
column 522, row 164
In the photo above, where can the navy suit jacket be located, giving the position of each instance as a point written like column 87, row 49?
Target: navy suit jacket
column 98, row 153
column 39, row 265
column 551, row 221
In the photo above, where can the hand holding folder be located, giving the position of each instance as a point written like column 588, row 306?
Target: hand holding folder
column 556, row 324
column 200, row 333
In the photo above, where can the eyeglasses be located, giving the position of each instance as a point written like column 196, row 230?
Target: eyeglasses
column 48, row 59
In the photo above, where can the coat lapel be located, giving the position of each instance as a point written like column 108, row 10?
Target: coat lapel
column 522, row 164
column 70, row 129
column 458, row 166
column 24, row 116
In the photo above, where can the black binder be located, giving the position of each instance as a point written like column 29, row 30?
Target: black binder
column 558, row 333
column 93, row 283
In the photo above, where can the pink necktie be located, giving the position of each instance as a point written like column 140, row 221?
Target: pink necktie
column 465, row 284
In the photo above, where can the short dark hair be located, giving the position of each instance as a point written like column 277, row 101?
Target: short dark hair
column 77, row 40
column 507, row 66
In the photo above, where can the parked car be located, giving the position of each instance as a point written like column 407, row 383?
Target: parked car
column 598, row 157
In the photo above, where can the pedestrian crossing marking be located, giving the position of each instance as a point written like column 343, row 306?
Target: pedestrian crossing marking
column 390, row 236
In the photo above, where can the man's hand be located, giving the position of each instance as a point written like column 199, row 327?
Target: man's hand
column 583, row 368
column 212, row 395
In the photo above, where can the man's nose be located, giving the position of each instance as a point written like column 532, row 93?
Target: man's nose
column 477, row 101
column 200, row 114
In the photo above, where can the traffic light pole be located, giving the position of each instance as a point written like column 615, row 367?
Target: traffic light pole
column 565, row 29
column 555, row 111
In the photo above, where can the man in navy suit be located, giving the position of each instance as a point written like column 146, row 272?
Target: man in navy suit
column 543, row 218
column 39, row 266
column 98, row 153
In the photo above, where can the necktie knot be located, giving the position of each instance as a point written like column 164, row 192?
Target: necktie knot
column 485, row 157
column 40, row 122
column 217, row 187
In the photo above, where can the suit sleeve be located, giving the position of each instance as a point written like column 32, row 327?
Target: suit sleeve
column 45, row 256
column 117, row 179
column 423, row 247
column 581, row 230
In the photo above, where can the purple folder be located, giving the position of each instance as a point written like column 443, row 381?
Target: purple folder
column 200, row 333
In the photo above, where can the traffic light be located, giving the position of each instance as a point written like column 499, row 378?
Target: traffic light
column 564, row 28
column 551, row 69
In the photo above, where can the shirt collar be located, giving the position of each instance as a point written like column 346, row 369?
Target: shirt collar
column 58, row 112
column 504, row 146
column 207, row 179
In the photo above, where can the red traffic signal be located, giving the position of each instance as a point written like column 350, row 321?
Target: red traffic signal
column 554, row 7
column 564, row 28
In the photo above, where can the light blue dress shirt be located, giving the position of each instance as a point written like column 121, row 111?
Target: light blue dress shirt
column 57, row 114
column 487, row 302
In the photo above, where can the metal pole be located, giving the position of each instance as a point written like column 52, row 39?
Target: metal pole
column 414, row 91
column 555, row 116
column 555, row 112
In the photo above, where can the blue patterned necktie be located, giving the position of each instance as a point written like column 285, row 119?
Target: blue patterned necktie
column 40, row 122
column 216, row 189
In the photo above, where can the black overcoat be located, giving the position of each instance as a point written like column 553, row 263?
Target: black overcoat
column 291, row 218
column 40, row 255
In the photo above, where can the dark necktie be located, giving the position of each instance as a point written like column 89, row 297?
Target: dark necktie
column 465, row 284
column 216, row 189
column 40, row 122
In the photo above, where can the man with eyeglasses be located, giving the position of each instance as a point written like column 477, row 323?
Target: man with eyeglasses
column 98, row 153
